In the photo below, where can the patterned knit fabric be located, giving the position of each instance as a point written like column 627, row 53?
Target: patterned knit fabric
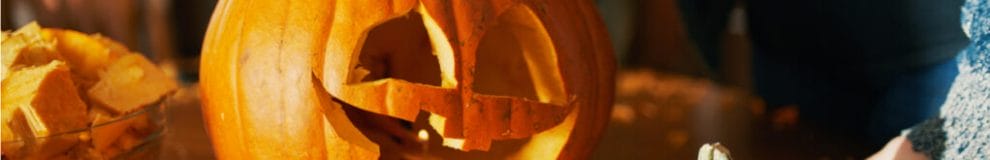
column 962, row 130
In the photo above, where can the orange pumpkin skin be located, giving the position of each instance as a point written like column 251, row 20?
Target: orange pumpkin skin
column 259, row 100
column 594, row 117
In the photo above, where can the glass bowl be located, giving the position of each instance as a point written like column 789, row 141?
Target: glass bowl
column 135, row 135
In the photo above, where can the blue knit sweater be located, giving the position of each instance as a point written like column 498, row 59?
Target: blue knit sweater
column 962, row 129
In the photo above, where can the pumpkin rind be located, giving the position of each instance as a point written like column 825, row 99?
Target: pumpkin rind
column 259, row 99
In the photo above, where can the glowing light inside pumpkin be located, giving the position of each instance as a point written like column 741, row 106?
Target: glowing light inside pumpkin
column 423, row 135
column 517, row 58
column 441, row 49
column 456, row 143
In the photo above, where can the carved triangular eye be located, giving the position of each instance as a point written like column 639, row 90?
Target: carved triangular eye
column 398, row 48
column 516, row 58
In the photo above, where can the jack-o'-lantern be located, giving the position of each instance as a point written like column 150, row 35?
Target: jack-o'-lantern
column 406, row 78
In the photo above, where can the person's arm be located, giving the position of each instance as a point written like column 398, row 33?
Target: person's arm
column 899, row 148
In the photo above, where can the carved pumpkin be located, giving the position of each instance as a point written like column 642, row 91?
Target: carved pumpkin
column 325, row 79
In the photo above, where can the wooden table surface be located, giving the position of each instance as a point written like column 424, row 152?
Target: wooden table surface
column 186, row 137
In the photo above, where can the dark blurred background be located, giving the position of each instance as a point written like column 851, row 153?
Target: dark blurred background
column 167, row 31
column 770, row 79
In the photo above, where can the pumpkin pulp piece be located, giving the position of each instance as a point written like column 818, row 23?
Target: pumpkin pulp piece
column 86, row 56
column 45, row 100
column 131, row 81
column 24, row 48
column 103, row 137
column 27, row 47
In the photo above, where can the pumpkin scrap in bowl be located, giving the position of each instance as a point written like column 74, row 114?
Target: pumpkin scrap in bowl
column 66, row 94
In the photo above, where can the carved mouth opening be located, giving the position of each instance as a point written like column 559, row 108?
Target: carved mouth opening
column 399, row 139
